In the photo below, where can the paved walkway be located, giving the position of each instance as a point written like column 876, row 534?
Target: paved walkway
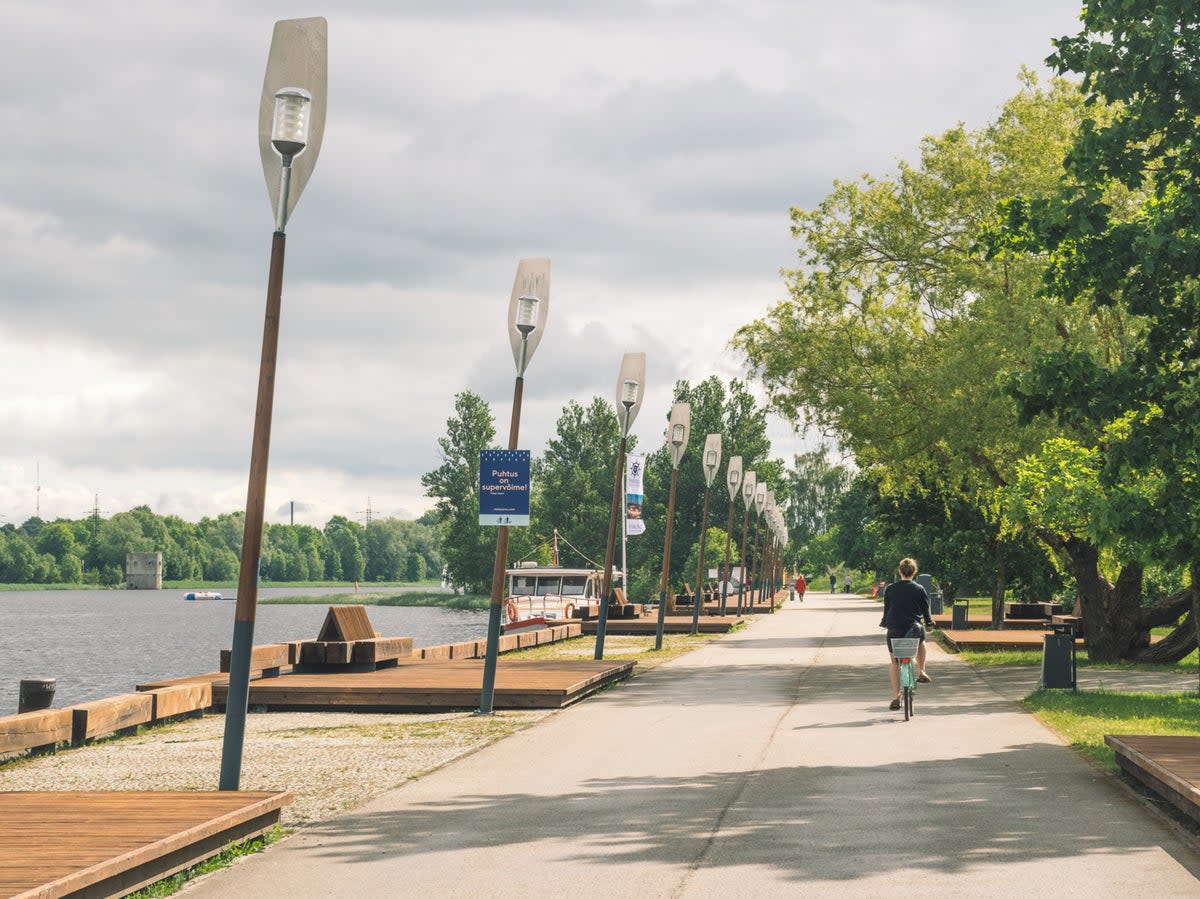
column 764, row 764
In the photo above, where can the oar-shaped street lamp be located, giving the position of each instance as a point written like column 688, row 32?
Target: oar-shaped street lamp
column 528, row 306
column 291, row 123
column 678, row 429
column 749, row 480
column 760, row 503
column 769, row 550
column 733, row 479
column 631, row 387
column 712, row 461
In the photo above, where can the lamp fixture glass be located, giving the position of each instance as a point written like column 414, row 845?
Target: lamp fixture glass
column 527, row 308
column 289, row 130
column 629, row 392
column 710, row 459
column 677, row 431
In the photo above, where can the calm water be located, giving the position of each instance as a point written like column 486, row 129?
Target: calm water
column 100, row 643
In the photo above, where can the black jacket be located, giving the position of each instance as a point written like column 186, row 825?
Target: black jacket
column 904, row 604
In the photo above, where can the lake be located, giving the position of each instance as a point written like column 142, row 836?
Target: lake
column 100, row 643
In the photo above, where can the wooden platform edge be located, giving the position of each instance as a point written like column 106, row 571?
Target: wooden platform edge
column 1170, row 786
column 155, row 861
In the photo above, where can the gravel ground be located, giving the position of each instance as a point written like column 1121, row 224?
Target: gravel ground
column 331, row 761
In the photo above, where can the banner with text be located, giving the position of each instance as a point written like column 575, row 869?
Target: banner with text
column 634, row 466
column 504, row 488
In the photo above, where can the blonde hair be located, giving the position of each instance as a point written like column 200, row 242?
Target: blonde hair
column 907, row 568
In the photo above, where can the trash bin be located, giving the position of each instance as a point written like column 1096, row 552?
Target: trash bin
column 935, row 604
column 1057, row 664
column 958, row 616
column 36, row 693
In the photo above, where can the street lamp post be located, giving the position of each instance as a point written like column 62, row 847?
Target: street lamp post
column 528, row 307
column 760, row 503
column 291, row 125
column 631, row 387
column 769, row 549
column 748, row 482
column 733, row 479
column 712, row 461
column 677, row 437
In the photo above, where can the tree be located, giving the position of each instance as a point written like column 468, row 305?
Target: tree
column 573, row 483
column 814, row 485
column 1121, row 237
column 345, row 557
column 925, row 326
column 469, row 549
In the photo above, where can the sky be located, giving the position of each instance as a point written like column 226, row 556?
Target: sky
column 652, row 149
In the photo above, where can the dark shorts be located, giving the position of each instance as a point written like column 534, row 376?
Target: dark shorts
column 893, row 632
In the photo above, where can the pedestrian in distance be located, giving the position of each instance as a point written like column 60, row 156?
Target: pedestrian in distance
column 801, row 586
column 905, row 607
column 847, row 581
column 832, row 583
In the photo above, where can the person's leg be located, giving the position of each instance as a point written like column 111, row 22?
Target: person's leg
column 893, row 672
column 921, row 660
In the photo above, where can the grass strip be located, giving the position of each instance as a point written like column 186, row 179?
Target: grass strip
column 410, row 598
column 222, row 859
column 1083, row 719
column 1003, row 658
column 621, row 648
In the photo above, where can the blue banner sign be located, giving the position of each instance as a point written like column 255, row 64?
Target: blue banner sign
column 504, row 488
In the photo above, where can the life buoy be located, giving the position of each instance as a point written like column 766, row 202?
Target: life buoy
column 510, row 607
column 568, row 610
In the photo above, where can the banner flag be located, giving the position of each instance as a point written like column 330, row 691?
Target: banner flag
column 635, row 464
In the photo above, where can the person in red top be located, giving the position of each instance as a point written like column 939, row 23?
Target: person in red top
column 801, row 586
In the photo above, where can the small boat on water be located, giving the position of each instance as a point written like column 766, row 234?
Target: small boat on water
column 204, row 594
column 539, row 596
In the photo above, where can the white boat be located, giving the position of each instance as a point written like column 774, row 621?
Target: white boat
column 203, row 594
column 542, row 595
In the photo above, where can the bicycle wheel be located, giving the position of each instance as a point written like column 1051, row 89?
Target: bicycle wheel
column 908, row 702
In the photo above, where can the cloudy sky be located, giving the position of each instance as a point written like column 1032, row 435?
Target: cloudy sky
column 651, row 148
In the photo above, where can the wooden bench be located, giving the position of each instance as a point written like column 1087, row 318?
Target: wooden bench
column 267, row 659
column 102, row 717
column 1168, row 765
column 43, row 729
column 180, row 699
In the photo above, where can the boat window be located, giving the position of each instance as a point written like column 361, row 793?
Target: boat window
column 547, row 586
column 573, row 584
column 522, row 585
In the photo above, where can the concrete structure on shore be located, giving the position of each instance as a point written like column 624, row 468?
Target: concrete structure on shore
column 143, row 571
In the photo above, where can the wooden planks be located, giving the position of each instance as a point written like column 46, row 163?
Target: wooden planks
column 107, row 844
column 416, row 684
column 1168, row 765
column 180, row 699
column 673, row 624
column 268, row 658
column 34, row 730
column 346, row 623
column 102, row 717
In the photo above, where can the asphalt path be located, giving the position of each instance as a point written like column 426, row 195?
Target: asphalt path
column 763, row 764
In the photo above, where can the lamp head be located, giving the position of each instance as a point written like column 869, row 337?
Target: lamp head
column 760, row 496
column 631, row 387
column 289, row 125
column 712, row 458
column 749, row 482
column 528, row 306
column 733, row 476
column 678, row 430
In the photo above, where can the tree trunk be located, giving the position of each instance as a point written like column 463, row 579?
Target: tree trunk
column 998, row 585
column 1180, row 642
column 1112, row 619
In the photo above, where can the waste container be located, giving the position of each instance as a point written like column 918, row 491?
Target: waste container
column 958, row 616
column 1058, row 664
column 36, row 693
column 936, row 606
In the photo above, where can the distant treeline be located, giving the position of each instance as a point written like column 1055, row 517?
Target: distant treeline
column 93, row 550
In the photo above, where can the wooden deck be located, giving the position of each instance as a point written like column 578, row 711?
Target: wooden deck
column 1170, row 766
column 416, row 685
column 982, row 622
column 672, row 624
column 109, row 844
column 992, row 640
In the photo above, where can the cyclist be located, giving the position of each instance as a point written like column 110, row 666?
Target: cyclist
column 905, row 606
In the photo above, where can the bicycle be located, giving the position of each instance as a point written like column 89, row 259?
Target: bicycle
column 904, row 651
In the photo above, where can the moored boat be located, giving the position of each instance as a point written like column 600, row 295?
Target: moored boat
column 202, row 594
column 542, row 595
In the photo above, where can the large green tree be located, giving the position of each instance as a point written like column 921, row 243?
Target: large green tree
column 1123, row 243
column 900, row 331
column 469, row 549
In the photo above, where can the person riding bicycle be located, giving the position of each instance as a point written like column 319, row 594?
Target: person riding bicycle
column 905, row 606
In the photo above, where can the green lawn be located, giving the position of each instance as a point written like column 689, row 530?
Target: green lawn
column 1009, row 657
column 1083, row 719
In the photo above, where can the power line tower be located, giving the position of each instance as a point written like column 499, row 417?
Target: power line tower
column 38, row 493
column 96, row 510
column 368, row 512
